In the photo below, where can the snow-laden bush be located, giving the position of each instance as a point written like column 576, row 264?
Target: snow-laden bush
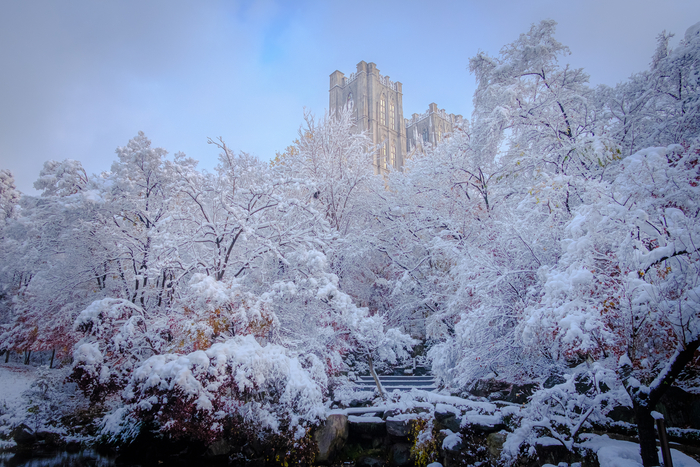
column 214, row 310
column 561, row 412
column 234, row 386
column 118, row 336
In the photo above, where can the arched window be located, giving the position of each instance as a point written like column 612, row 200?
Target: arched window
column 392, row 121
column 350, row 103
column 382, row 110
column 392, row 157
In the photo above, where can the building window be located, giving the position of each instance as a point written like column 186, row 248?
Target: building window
column 392, row 159
column 425, row 135
column 392, row 121
column 350, row 102
column 382, row 111
column 382, row 162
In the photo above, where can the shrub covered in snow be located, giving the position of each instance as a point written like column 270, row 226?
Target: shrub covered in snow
column 117, row 337
column 234, row 386
column 563, row 411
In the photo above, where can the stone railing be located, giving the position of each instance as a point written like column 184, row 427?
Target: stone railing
column 452, row 118
column 417, row 119
column 387, row 82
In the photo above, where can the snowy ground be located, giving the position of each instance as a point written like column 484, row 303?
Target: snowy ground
column 616, row 453
column 15, row 379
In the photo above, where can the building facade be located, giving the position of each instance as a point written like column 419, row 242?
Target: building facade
column 377, row 103
column 430, row 127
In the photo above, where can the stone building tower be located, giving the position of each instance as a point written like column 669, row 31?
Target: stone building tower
column 430, row 127
column 378, row 106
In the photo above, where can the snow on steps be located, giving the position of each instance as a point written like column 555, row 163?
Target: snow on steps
column 402, row 383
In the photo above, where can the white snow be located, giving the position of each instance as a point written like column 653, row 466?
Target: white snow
column 15, row 379
column 547, row 441
column 361, row 419
column 475, row 418
column 451, row 440
column 617, row 453
column 692, row 32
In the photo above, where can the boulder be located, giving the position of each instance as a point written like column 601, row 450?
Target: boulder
column 400, row 454
column 220, row 447
column 553, row 380
column 494, row 443
column 680, row 408
column 520, row 393
column 48, row 439
column 360, row 403
column 483, row 423
column 583, row 384
column 449, row 422
column 488, row 387
column 495, row 390
column 551, row 451
column 369, row 461
column 367, row 427
column 398, row 426
column 23, row 435
column 622, row 414
column 446, row 418
column 331, row 436
column 453, row 449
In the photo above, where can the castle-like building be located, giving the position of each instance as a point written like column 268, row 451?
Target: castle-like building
column 378, row 106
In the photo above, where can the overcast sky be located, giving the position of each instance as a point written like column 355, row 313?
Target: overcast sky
column 80, row 78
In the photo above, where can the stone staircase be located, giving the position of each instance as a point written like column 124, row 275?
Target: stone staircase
column 402, row 383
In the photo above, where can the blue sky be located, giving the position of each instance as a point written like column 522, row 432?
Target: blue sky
column 79, row 78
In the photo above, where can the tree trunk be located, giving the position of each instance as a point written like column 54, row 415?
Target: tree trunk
column 53, row 354
column 644, row 401
column 647, row 435
column 7, row 355
column 27, row 356
column 376, row 379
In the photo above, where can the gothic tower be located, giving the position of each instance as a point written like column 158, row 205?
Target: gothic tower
column 378, row 106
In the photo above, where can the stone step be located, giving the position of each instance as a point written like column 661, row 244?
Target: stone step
column 398, row 378
column 402, row 383
column 396, row 383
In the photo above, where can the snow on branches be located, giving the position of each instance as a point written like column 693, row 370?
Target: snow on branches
column 233, row 383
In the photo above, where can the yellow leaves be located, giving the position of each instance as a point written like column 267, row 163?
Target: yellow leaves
column 425, row 448
column 290, row 151
column 663, row 272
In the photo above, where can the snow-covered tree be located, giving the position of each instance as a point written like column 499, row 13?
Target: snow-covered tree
column 659, row 106
column 336, row 164
column 627, row 286
column 62, row 178
column 9, row 195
